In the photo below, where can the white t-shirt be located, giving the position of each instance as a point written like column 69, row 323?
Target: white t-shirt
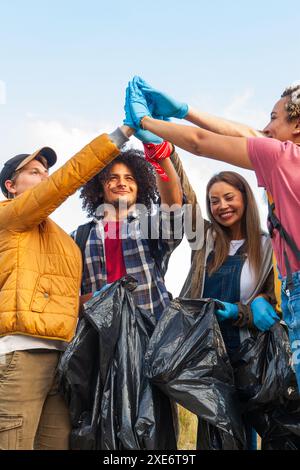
column 10, row 343
column 248, row 281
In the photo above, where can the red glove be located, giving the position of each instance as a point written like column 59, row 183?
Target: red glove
column 156, row 152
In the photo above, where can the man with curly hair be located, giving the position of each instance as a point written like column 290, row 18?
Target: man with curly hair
column 274, row 155
column 133, row 231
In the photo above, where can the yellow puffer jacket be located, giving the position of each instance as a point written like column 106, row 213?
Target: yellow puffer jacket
column 40, row 265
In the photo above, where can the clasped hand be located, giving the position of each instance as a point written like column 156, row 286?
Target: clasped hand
column 143, row 100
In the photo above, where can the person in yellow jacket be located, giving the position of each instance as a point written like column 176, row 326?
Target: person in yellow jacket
column 40, row 275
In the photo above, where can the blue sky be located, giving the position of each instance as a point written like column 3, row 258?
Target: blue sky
column 65, row 65
column 75, row 57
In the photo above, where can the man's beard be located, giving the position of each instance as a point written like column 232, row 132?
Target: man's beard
column 122, row 205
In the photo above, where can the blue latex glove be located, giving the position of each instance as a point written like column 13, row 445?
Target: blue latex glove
column 161, row 103
column 147, row 137
column 229, row 311
column 141, row 134
column 264, row 315
column 136, row 105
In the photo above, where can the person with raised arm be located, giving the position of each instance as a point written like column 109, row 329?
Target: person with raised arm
column 39, row 289
column 275, row 159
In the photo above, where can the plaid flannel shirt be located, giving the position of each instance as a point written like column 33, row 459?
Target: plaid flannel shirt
column 149, row 270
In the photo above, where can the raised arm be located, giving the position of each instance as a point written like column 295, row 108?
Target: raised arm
column 185, row 182
column 170, row 191
column 196, row 140
column 219, row 125
column 188, row 191
column 36, row 204
column 201, row 142
column 163, row 105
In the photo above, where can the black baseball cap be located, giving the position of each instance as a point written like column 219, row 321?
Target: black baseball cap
column 17, row 162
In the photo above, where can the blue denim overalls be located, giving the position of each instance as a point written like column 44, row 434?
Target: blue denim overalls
column 290, row 306
column 290, row 289
column 224, row 285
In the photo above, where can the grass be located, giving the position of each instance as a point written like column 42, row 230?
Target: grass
column 187, row 429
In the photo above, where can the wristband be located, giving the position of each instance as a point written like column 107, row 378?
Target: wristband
column 156, row 152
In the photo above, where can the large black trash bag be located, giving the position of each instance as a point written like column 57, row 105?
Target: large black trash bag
column 267, row 387
column 78, row 373
column 113, row 405
column 187, row 360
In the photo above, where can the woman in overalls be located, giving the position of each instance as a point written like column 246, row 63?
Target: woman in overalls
column 234, row 262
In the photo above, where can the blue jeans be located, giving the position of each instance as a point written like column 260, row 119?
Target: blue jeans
column 290, row 305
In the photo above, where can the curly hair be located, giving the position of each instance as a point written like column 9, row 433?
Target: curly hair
column 92, row 192
column 293, row 105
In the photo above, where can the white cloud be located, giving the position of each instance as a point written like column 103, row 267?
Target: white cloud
column 66, row 140
column 242, row 107
column 240, row 110
column 238, row 103
column 2, row 92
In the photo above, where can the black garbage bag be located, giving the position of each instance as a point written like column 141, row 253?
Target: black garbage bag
column 78, row 374
column 113, row 405
column 187, row 360
column 267, row 388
